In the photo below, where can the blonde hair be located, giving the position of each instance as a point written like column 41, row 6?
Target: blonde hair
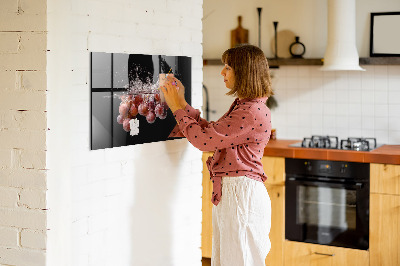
column 250, row 66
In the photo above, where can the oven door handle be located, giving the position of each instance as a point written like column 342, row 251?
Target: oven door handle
column 357, row 185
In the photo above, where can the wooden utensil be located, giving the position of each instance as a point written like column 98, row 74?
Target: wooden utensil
column 239, row 35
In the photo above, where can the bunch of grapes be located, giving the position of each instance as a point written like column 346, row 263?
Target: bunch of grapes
column 148, row 105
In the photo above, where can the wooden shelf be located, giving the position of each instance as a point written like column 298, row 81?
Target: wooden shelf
column 274, row 63
column 380, row 61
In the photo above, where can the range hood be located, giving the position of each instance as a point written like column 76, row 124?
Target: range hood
column 341, row 51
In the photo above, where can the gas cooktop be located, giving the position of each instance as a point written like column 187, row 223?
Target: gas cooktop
column 332, row 142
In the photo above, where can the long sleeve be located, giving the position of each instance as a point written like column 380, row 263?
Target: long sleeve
column 229, row 131
column 195, row 114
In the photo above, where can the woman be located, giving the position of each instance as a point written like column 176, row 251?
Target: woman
column 242, row 208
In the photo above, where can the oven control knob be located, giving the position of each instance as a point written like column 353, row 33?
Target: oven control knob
column 308, row 166
column 343, row 168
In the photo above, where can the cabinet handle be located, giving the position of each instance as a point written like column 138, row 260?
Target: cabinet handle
column 324, row 254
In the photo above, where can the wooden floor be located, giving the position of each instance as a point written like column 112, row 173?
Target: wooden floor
column 206, row 261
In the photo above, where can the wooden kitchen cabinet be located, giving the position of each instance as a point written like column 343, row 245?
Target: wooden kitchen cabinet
column 277, row 233
column 384, row 215
column 385, row 178
column 206, row 225
column 384, row 236
column 305, row 254
column 274, row 168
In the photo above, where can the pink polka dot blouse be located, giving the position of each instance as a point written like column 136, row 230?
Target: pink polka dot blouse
column 238, row 139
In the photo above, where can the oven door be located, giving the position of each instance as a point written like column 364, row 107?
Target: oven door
column 327, row 213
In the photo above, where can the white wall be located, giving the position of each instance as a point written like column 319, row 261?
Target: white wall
column 306, row 19
column 23, row 133
column 133, row 205
column 311, row 102
column 343, row 104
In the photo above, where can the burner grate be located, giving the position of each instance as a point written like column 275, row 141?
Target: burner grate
column 332, row 142
column 327, row 142
column 358, row 144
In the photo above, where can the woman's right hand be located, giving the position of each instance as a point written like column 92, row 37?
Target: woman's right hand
column 181, row 90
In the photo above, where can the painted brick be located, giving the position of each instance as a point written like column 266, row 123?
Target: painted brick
column 178, row 7
column 168, row 21
column 8, row 6
column 106, row 42
column 33, row 239
column 15, row 158
column 17, row 256
column 197, row 38
column 32, row 42
column 196, row 10
column 7, row 79
column 23, row 218
column 141, row 45
column 34, row 120
column 155, row 33
column 22, row 22
column 194, row 49
column 9, row 42
column 97, row 173
column 5, row 158
column 79, row 175
column 33, row 159
column 192, row 23
column 80, row 78
column 31, row 80
column 98, row 222
column 23, row 178
column 36, row 7
column 8, row 237
column 22, row 100
column 8, row 197
column 33, row 199
column 197, row 76
column 35, row 140
column 28, row 61
column 150, row 5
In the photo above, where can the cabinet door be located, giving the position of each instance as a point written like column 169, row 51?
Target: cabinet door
column 277, row 233
column 206, row 232
column 304, row 254
column 274, row 168
column 385, row 178
column 384, row 230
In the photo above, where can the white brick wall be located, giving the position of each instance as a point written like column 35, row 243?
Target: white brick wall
column 100, row 204
column 134, row 205
column 23, row 132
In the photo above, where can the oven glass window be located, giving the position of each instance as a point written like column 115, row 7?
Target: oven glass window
column 326, row 207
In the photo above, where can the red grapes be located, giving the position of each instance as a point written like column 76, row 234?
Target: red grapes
column 147, row 105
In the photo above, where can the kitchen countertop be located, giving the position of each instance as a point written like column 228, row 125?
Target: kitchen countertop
column 389, row 154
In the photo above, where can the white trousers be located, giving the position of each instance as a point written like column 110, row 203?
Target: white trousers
column 241, row 223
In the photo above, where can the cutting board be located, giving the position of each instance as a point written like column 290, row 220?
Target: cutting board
column 239, row 35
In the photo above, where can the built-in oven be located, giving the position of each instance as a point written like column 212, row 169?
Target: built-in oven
column 327, row 202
